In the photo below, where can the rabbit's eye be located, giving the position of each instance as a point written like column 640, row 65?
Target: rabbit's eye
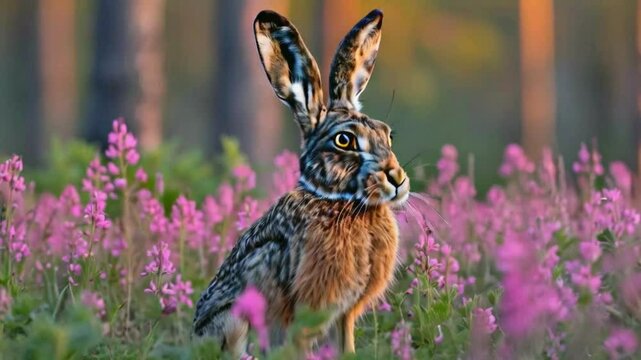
column 345, row 141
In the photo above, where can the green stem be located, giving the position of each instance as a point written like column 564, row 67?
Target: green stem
column 59, row 302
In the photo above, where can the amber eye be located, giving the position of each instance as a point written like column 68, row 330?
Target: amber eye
column 345, row 140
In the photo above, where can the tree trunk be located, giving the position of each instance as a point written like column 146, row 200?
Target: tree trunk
column 148, row 27
column 536, row 19
column 111, row 75
column 20, row 131
column 619, row 56
column 58, row 68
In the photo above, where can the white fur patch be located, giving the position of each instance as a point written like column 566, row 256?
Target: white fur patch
column 298, row 92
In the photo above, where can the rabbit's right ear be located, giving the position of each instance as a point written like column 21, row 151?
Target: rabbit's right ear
column 290, row 68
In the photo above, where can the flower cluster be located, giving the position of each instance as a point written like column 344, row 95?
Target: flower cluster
column 518, row 270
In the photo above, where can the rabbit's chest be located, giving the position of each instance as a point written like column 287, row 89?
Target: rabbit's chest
column 341, row 264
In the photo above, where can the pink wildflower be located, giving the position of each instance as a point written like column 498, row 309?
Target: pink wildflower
column 251, row 305
column 447, row 165
column 95, row 210
column 621, row 343
column 588, row 162
column 515, row 161
column 287, row 173
column 245, row 177
column 325, row 352
column 95, row 302
column 160, row 263
column 5, row 301
column 486, row 319
column 402, row 341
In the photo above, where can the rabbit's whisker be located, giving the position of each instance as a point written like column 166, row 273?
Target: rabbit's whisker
column 426, row 201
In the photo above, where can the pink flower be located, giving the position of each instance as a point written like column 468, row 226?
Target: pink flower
column 590, row 250
column 621, row 343
column 160, row 184
column 622, row 176
column 249, row 212
column 10, row 173
column 286, row 175
column 245, row 176
column 251, row 305
column 160, row 263
column 212, row 211
column 95, row 210
column 141, row 175
column 486, row 319
column 5, row 301
column 325, row 352
column 447, row 165
column 122, row 143
column 187, row 218
column 588, row 163
column 515, row 161
column 384, row 307
column 153, row 212
column 402, row 341
column 95, row 302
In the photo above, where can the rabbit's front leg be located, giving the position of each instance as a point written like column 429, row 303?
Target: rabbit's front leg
column 346, row 332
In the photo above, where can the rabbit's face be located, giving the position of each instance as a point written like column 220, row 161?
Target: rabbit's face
column 346, row 155
column 349, row 157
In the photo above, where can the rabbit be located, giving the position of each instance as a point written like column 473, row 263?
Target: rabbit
column 331, row 243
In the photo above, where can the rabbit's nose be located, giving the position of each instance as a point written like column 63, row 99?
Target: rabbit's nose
column 395, row 176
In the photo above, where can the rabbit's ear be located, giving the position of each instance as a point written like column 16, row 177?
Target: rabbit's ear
column 290, row 68
column 354, row 62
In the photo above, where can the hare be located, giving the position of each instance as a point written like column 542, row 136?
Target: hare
column 331, row 243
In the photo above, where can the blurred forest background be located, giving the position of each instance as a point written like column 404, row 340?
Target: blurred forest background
column 476, row 74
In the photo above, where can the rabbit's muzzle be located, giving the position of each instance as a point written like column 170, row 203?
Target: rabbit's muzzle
column 388, row 185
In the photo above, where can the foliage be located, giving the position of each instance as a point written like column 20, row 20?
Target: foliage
column 111, row 265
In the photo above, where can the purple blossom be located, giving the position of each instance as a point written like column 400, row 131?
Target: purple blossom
column 5, row 301
column 622, row 176
column 447, row 165
column 122, row 143
column 160, row 184
column 384, row 306
column 621, row 343
column 245, row 177
column 186, row 218
column 94, row 302
column 402, row 341
column 325, row 352
column 160, row 263
column 141, row 175
column 95, row 210
column 515, row 161
column 286, row 175
column 153, row 212
column 171, row 294
column 251, row 306
column 10, row 171
column 486, row 319
column 249, row 212
column 588, row 162
column 97, row 178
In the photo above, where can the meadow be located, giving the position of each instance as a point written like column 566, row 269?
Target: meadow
column 103, row 256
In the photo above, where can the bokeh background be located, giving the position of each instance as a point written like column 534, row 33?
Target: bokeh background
column 476, row 74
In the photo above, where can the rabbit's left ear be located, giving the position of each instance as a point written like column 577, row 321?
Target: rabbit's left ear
column 290, row 68
column 354, row 62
